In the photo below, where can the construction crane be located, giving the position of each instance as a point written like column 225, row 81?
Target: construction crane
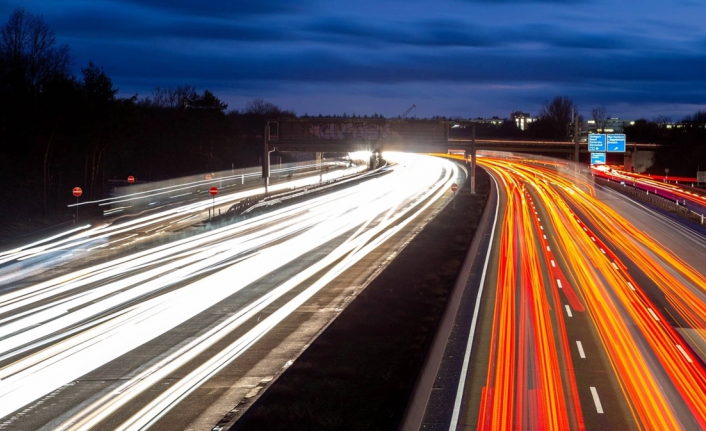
column 409, row 110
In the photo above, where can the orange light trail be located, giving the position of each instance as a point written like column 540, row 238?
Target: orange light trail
column 659, row 371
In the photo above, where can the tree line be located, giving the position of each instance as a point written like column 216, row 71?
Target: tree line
column 59, row 130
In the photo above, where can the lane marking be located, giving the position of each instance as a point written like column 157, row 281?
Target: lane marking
column 582, row 354
column 545, row 237
column 683, row 352
column 631, row 286
column 474, row 322
column 603, row 251
column 553, row 264
column 558, row 283
column 614, row 265
column 594, row 239
column 654, row 315
column 596, row 400
column 568, row 310
column 541, row 227
column 549, row 249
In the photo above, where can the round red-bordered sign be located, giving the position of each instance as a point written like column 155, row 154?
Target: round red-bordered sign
column 454, row 187
column 77, row 191
column 213, row 191
column 130, row 179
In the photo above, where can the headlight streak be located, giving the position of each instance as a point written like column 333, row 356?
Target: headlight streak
column 98, row 334
column 104, row 231
column 657, row 381
column 199, row 183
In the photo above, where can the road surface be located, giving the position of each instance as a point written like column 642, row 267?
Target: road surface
column 97, row 332
column 592, row 315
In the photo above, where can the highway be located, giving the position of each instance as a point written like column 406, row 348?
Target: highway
column 692, row 198
column 592, row 315
column 104, row 327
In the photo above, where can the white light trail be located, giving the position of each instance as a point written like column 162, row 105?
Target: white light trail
column 80, row 321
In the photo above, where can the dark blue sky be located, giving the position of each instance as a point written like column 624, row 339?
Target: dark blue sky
column 639, row 58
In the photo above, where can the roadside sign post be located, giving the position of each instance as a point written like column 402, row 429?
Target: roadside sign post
column 454, row 187
column 213, row 191
column 598, row 158
column 615, row 143
column 77, row 192
column 596, row 143
column 666, row 175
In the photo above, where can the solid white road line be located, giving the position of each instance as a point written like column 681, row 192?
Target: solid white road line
column 582, row 354
column 568, row 310
column 469, row 345
column 596, row 400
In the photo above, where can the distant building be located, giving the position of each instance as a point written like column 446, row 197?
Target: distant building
column 522, row 119
column 494, row 121
column 612, row 125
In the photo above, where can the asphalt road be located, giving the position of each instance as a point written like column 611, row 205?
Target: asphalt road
column 592, row 313
column 100, row 331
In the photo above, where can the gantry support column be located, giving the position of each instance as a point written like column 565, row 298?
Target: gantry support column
column 266, row 158
column 473, row 159
column 576, row 139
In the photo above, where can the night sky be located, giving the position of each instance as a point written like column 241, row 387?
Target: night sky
column 639, row 58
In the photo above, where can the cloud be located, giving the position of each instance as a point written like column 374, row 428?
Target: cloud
column 504, row 2
column 224, row 8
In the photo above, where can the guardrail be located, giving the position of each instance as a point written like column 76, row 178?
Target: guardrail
column 657, row 200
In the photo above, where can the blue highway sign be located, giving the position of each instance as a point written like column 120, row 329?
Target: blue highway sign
column 596, row 143
column 616, row 143
column 598, row 158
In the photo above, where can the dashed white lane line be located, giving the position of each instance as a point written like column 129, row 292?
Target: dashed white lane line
column 631, row 286
column 602, row 251
column 683, row 352
column 568, row 310
column 545, row 237
column 582, row 354
column 553, row 264
column 549, row 249
column 596, row 400
column 614, row 265
column 541, row 227
column 593, row 239
column 558, row 283
column 654, row 315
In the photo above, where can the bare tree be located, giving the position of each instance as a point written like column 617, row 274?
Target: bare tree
column 557, row 114
column 176, row 97
column 600, row 116
column 30, row 56
column 260, row 107
column 662, row 121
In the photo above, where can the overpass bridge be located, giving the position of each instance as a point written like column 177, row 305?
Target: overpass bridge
column 376, row 135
